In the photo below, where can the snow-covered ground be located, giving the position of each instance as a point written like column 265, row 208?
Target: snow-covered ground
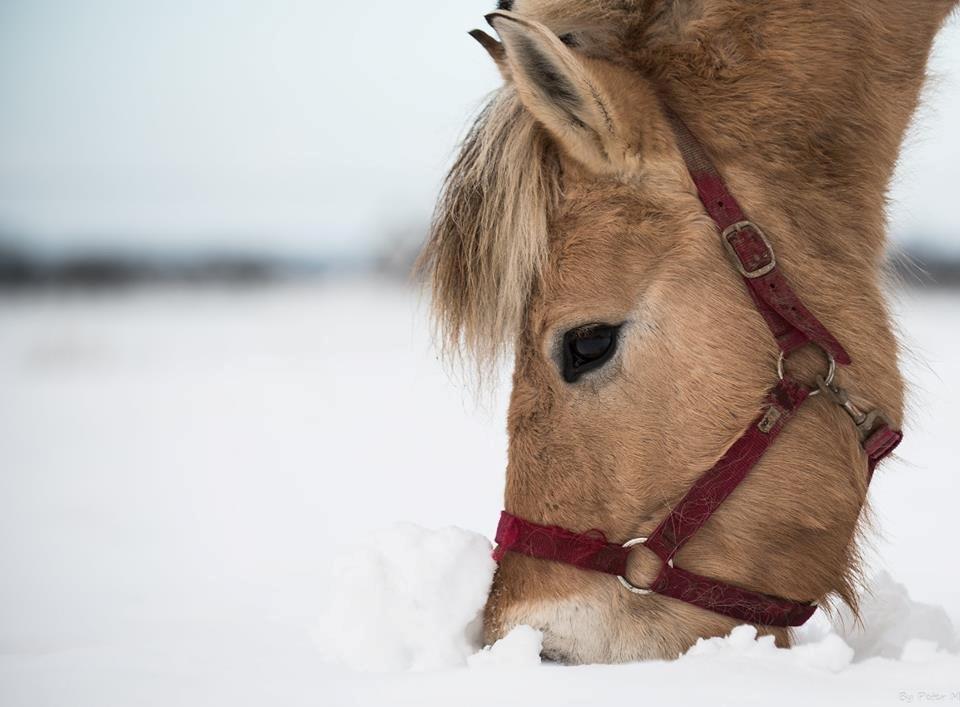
column 199, row 492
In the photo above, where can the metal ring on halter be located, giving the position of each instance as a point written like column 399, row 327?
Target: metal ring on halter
column 831, row 370
column 626, row 582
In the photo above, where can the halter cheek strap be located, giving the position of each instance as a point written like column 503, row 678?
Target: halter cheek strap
column 793, row 326
column 714, row 486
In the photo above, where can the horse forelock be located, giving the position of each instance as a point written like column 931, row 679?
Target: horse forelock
column 488, row 239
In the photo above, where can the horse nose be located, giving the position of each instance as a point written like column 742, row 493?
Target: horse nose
column 554, row 655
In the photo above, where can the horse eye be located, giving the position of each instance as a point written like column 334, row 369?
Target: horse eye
column 587, row 348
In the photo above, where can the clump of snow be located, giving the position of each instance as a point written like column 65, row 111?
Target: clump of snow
column 743, row 639
column 891, row 620
column 408, row 599
column 893, row 626
column 917, row 650
column 518, row 649
column 829, row 653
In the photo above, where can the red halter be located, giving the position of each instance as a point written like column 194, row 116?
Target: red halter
column 793, row 326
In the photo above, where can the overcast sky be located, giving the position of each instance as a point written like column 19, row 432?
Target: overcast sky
column 297, row 125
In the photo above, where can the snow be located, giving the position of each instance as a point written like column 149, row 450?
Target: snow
column 890, row 620
column 520, row 648
column 829, row 653
column 409, row 599
column 199, row 499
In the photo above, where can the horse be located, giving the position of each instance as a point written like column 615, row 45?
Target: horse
column 619, row 218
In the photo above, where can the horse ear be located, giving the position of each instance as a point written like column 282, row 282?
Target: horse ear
column 494, row 49
column 558, row 89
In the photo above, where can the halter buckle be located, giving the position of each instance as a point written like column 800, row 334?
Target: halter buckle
column 626, row 582
column 766, row 262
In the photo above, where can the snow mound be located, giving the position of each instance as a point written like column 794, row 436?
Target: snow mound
column 518, row 649
column 892, row 621
column 408, row 599
column 830, row 653
column 892, row 626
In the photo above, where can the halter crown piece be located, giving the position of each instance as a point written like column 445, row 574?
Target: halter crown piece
column 793, row 326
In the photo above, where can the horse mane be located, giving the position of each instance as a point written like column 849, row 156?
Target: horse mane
column 488, row 238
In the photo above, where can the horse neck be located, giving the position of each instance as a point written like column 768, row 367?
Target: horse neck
column 807, row 112
column 804, row 111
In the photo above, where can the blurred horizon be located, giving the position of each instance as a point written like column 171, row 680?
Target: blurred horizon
column 258, row 129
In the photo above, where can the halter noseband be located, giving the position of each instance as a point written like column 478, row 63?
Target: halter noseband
column 793, row 326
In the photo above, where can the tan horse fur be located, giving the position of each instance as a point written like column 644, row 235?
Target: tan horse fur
column 570, row 204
